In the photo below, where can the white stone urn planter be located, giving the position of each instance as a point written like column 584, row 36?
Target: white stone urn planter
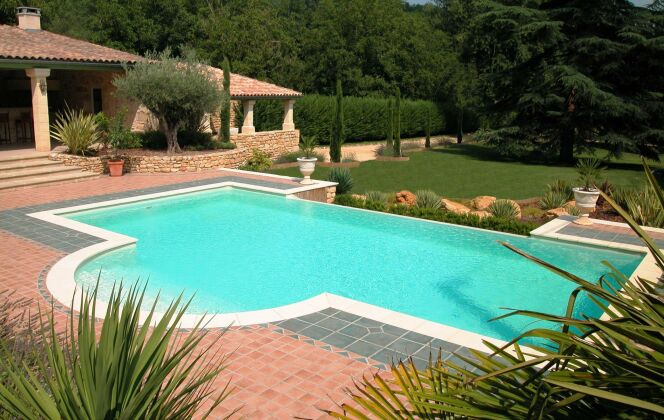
column 307, row 167
column 585, row 201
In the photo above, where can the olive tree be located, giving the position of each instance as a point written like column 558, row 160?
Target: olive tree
column 175, row 90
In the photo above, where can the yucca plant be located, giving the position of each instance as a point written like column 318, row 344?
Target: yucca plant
column 553, row 199
column 343, row 179
column 608, row 367
column 379, row 197
column 76, row 130
column 504, row 209
column 427, row 199
column 120, row 370
column 642, row 205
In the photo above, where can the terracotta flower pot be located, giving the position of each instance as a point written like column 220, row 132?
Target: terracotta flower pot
column 115, row 167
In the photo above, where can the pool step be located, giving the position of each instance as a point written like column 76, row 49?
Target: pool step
column 20, row 171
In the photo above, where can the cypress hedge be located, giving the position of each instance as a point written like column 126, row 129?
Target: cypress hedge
column 364, row 118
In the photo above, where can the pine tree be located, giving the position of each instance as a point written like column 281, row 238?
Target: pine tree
column 397, row 124
column 390, row 125
column 338, row 128
column 570, row 75
column 226, row 104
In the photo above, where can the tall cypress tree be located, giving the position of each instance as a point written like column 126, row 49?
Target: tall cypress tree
column 427, row 131
column 226, row 104
column 397, row 124
column 338, row 128
column 389, row 146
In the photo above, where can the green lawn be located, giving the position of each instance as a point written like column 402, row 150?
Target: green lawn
column 469, row 170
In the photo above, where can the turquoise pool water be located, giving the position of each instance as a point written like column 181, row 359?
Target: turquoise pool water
column 240, row 251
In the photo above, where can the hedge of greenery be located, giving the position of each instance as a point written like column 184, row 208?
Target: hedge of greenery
column 490, row 223
column 365, row 118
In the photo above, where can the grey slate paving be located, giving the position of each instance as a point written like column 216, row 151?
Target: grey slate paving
column 624, row 238
column 370, row 339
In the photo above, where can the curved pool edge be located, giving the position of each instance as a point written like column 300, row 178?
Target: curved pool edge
column 60, row 280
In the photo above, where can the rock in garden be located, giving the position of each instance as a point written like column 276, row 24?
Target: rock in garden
column 557, row 212
column 406, row 197
column 517, row 208
column 455, row 207
column 570, row 203
column 482, row 202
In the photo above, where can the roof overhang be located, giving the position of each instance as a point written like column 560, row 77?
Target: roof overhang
column 259, row 97
column 13, row 63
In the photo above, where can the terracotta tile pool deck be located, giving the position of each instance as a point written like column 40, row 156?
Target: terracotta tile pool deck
column 287, row 369
column 273, row 375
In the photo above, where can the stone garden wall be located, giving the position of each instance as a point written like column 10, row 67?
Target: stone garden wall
column 274, row 143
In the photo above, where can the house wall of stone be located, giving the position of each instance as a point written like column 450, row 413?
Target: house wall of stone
column 75, row 91
column 274, row 143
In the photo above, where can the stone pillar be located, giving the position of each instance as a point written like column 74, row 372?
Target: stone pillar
column 288, row 125
column 248, row 123
column 40, row 108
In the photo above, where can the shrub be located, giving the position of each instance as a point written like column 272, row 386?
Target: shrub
column 349, row 157
column 427, row 132
column 364, row 118
column 344, row 179
column 389, row 137
column 258, row 162
column 553, row 199
column 533, row 212
column 562, row 187
column 641, row 204
column 504, row 209
column 119, row 371
column 76, row 130
column 379, row 197
column 490, row 223
column 427, row 199
column 223, row 145
column 175, row 90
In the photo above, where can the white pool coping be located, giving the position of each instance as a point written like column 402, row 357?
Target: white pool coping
column 60, row 280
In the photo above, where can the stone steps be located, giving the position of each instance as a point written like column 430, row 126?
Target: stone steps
column 20, row 171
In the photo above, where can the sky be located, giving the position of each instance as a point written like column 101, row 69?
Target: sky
column 636, row 2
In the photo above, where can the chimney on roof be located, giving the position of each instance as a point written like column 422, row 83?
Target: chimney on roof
column 29, row 18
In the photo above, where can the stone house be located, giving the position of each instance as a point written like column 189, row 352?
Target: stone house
column 42, row 72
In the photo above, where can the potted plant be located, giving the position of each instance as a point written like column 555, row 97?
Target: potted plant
column 307, row 161
column 586, row 195
column 119, row 138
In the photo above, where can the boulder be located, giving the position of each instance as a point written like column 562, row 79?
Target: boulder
column 454, row 207
column 557, row 212
column 406, row 197
column 570, row 203
column 482, row 202
column 481, row 213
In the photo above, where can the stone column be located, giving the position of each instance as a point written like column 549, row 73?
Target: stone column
column 248, row 123
column 288, row 124
column 40, row 108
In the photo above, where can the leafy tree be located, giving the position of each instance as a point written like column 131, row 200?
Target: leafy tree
column 338, row 131
column 175, row 91
column 397, row 124
column 566, row 75
column 226, row 104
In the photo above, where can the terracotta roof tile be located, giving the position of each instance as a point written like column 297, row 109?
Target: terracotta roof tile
column 246, row 87
column 43, row 45
column 16, row 43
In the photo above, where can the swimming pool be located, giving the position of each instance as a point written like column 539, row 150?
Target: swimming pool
column 242, row 251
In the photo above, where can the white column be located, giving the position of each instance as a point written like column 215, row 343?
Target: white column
column 288, row 125
column 248, row 123
column 40, row 108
